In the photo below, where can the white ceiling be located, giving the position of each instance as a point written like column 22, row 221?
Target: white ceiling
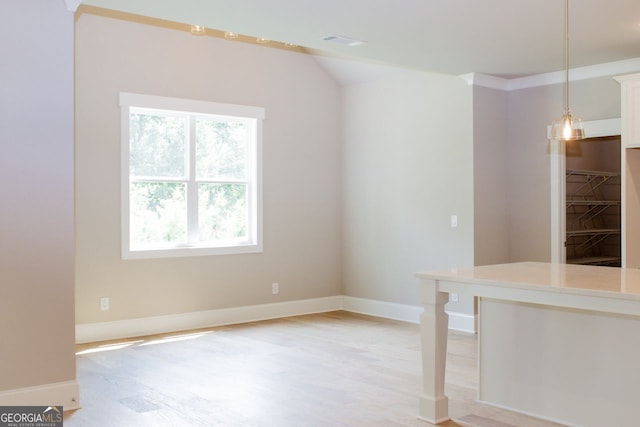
column 504, row 38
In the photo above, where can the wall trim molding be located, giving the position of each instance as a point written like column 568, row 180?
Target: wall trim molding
column 101, row 331
column 463, row 322
column 72, row 5
column 386, row 310
column 608, row 69
column 408, row 313
column 120, row 329
column 486, row 80
column 63, row 394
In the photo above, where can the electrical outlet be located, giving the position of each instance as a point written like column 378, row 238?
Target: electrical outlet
column 275, row 288
column 453, row 297
column 104, row 303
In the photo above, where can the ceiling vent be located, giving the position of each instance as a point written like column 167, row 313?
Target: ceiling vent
column 345, row 41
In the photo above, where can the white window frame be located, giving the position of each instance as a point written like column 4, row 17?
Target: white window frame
column 159, row 103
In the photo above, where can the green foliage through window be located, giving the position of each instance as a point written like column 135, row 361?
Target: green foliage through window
column 190, row 178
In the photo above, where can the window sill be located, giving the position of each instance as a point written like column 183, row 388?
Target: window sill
column 181, row 252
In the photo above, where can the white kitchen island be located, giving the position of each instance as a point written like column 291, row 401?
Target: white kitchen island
column 557, row 341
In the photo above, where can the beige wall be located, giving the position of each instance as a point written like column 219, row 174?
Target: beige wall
column 404, row 176
column 490, row 179
column 408, row 166
column 302, row 170
column 36, row 218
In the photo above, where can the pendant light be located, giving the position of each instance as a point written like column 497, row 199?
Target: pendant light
column 197, row 30
column 568, row 127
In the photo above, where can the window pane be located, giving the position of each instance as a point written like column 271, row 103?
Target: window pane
column 157, row 145
column 222, row 211
column 158, row 212
column 221, row 149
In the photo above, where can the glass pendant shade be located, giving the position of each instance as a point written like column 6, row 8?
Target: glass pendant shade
column 567, row 128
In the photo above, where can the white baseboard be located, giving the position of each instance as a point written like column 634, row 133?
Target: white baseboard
column 463, row 322
column 102, row 331
column 529, row 414
column 408, row 313
column 387, row 310
column 63, row 394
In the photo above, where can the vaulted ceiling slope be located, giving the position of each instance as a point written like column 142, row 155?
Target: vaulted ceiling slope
column 503, row 38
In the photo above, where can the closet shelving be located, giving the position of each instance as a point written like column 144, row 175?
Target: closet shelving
column 593, row 217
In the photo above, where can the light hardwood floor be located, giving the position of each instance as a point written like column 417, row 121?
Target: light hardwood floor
column 331, row 369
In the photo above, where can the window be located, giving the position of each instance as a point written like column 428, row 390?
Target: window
column 191, row 177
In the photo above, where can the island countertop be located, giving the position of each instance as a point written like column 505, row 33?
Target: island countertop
column 611, row 282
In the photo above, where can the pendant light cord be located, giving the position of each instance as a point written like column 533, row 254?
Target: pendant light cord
column 566, row 56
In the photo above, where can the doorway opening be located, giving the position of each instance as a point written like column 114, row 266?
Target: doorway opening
column 599, row 131
column 592, row 201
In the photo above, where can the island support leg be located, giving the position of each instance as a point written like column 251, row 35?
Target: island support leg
column 434, row 325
